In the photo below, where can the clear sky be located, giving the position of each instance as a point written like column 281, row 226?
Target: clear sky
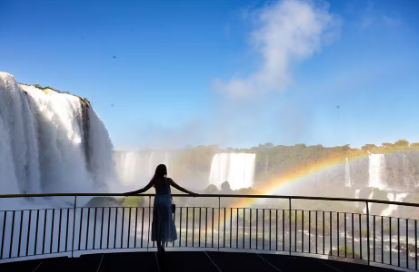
column 234, row 73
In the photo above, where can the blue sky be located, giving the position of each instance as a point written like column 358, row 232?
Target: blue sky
column 234, row 73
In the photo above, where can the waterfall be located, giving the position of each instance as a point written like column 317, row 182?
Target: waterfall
column 375, row 170
column 236, row 168
column 392, row 208
column 136, row 168
column 347, row 174
column 51, row 142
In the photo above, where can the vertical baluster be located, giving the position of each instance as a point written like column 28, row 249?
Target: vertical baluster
column 135, row 227
column 250, row 232
column 391, row 255
column 20, row 233
column 237, row 228
column 29, row 232
column 101, row 227
column 180, row 227
column 416, row 245
column 224, row 233
column 309, row 231
column 263, row 229
column 35, row 249
column 257, row 227
column 80, row 228
column 338, row 234
column 109, row 227
column 212, row 229
column 4, row 231
column 244, row 227
column 206, row 225
column 398, row 242
column 295, row 230
column 129, row 226
column 302, row 229
column 12, row 236
column 368, row 233
column 270, row 228
column 360, row 236
column 289, row 223
column 199, row 228
column 283, row 230
column 324, row 233
column 122, row 228
column 66, row 230
column 116, row 226
column 231, row 225
column 331, row 233
column 52, row 230
column 344, row 221
column 353, row 237
column 87, row 228
column 382, row 239
column 142, row 226
column 45, row 229
column 193, row 227
column 276, row 230
column 94, row 228
column 407, row 243
column 187, row 222
column 373, row 242
column 59, row 230
column 316, row 231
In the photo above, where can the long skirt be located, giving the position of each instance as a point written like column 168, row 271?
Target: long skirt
column 163, row 227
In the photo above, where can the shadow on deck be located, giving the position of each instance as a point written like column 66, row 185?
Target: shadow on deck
column 184, row 261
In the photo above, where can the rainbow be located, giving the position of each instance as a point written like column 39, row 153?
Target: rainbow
column 297, row 175
column 293, row 177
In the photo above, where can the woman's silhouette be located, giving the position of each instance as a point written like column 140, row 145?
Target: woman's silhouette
column 163, row 227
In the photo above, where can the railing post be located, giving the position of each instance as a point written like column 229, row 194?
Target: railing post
column 368, row 233
column 219, row 218
column 74, row 225
column 289, row 216
column 149, row 221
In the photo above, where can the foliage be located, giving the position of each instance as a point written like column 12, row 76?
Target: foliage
column 388, row 227
column 349, row 252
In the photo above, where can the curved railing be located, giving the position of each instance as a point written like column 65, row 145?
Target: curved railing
column 295, row 225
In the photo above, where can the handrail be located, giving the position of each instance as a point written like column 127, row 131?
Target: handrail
column 294, row 197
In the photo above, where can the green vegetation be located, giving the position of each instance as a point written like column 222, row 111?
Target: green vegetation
column 45, row 89
column 349, row 252
column 132, row 201
column 388, row 227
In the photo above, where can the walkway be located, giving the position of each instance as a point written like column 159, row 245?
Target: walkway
column 185, row 262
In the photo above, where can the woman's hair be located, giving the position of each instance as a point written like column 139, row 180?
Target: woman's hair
column 161, row 173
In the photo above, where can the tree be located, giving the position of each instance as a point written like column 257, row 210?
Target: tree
column 402, row 143
column 387, row 144
column 369, row 147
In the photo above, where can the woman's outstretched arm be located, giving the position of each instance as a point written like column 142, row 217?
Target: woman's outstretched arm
column 139, row 191
column 174, row 184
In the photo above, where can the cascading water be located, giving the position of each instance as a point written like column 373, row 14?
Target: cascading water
column 236, row 168
column 51, row 142
column 136, row 168
column 348, row 182
column 375, row 170
column 392, row 208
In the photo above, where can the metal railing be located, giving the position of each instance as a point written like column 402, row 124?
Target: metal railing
column 345, row 235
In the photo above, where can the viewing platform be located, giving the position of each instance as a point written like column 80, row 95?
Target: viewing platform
column 98, row 232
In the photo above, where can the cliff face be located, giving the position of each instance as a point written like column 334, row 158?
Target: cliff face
column 51, row 142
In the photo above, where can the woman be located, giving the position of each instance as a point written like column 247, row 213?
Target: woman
column 163, row 227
